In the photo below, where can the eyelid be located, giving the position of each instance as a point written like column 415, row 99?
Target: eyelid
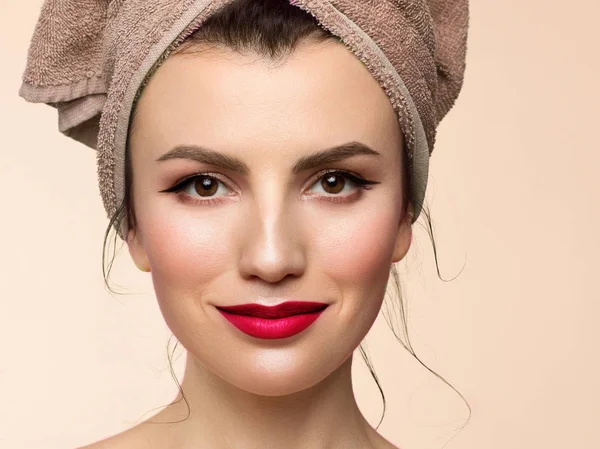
column 179, row 185
column 347, row 173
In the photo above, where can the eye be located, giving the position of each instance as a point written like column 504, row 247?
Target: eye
column 199, row 188
column 332, row 182
column 204, row 186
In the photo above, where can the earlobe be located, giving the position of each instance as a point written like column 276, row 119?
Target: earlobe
column 403, row 239
column 136, row 250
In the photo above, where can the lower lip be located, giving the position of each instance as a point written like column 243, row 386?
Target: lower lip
column 268, row 328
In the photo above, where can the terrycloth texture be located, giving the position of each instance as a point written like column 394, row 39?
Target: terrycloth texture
column 89, row 58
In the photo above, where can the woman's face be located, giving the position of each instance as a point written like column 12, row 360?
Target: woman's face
column 267, row 233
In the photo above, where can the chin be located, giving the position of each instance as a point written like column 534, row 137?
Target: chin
column 275, row 371
column 280, row 383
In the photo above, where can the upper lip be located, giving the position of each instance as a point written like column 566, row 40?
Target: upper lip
column 284, row 309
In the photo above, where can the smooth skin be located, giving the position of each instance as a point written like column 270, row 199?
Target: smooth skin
column 270, row 235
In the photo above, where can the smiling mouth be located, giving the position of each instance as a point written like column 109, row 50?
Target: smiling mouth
column 272, row 322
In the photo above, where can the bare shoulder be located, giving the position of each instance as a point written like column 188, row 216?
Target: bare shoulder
column 382, row 443
column 134, row 438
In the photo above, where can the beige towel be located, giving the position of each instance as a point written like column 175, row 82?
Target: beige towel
column 89, row 57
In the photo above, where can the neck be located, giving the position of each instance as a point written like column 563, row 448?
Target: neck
column 222, row 416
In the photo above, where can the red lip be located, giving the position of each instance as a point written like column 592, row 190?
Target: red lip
column 282, row 310
column 280, row 321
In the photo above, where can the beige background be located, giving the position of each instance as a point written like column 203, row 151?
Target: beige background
column 514, row 192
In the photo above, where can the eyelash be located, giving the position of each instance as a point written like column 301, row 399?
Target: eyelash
column 361, row 183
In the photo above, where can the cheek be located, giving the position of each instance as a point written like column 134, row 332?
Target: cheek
column 185, row 254
column 356, row 256
column 359, row 249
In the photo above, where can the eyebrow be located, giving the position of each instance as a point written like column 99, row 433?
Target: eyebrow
column 212, row 157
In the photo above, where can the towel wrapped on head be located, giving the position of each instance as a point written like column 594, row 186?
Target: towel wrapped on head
column 89, row 58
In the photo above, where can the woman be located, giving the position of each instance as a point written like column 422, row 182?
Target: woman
column 268, row 180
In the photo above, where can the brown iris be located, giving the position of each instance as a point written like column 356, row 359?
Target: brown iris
column 206, row 186
column 334, row 182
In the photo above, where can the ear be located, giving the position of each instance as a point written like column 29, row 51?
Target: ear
column 137, row 252
column 403, row 238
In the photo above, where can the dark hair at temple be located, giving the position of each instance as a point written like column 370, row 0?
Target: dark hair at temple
column 270, row 29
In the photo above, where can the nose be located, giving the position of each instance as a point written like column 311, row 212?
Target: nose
column 271, row 245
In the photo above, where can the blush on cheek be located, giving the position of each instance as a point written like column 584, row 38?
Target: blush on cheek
column 185, row 254
column 357, row 250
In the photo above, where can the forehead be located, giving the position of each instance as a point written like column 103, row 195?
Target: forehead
column 321, row 94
